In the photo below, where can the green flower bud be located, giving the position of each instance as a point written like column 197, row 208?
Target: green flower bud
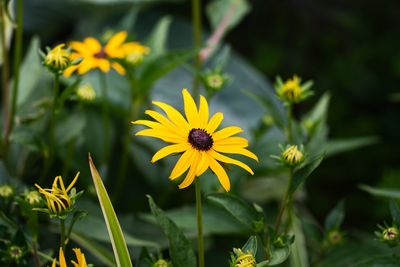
column 86, row 92
column 292, row 156
column 6, row 191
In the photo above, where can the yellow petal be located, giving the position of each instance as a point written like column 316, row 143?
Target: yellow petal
column 151, row 124
column 203, row 164
column 92, row 45
column 80, row 257
column 226, row 132
column 203, row 113
column 118, row 68
column 114, row 43
column 168, row 150
column 229, row 160
column 232, row 141
column 73, row 182
column 182, row 164
column 68, row 72
column 85, row 66
column 174, row 115
column 192, row 171
column 235, row 150
column 221, row 174
column 214, row 122
column 54, row 264
column 80, row 48
column 61, row 259
column 163, row 135
column 190, row 109
column 167, row 123
column 103, row 64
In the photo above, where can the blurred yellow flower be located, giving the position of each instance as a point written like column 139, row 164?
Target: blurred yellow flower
column 292, row 91
column 196, row 137
column 58, row 199
column 96, row 56
column 80, row 257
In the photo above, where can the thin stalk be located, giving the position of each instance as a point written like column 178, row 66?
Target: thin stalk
column 289, row 128
column 5, row 75
column 199, row 216
column 17, row 62
column 106, row 116
column 197, row 30
column 62, row 234
column 286, row 202
column 35, row 254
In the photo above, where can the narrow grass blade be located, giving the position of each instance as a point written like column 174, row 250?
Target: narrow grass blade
column 120, row 248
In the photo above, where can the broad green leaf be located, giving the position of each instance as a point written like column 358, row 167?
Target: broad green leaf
column 395, row 211
column 334, row 147
column 227, row 12
column 240, row 210
column 335, row 218
column 97, row 250
column 278, row 255
column 118, row 243
column 320, row 110
column 301, row 174
column 180, row 248
column 381, row 192
column 69, row 128
column 158, row 38
column 298, row 255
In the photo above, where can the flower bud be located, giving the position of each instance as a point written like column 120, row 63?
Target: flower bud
column 390, row 233
column 292, row 156
column 33, row 198
column 242, row 259
column 86, row 92
column 214, row 80
column 57, row 59
column 161, row 263
column 6, row 191
column 335, row 237
column 292, row 91
column 15, row 252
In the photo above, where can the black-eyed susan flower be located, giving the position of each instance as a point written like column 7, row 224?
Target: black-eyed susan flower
column 197, row 138
column 292, row 91
column 59, row 201
column 96, row 56
column 242, row 259
column 80, row 259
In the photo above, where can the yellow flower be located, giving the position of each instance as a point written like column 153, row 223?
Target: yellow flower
column 80, row 257
column 58, row 199
column 58, row 59
column 292, row 155
column 96, row 56
column 135, row 52
column 196, row 137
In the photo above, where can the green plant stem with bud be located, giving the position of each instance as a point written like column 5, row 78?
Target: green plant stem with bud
column 197, row 30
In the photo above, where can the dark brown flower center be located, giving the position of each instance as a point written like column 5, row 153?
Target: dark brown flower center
column 101, row 54
column 200, row 139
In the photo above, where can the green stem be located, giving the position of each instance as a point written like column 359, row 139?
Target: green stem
column 17, row 61
column 197, row 30
column 5, row 75
column 289, row 128
column 286, row 202
column 200, row 243
column 106, row 116
column 36, row 259
column 62, row 234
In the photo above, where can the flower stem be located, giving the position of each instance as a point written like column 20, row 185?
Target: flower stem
column 197, row 29
column 17, row 61
column 289, row 127
column 5, row 75
column 62, row 234
column 106, row 116
column 286, row 201
column 200, row 243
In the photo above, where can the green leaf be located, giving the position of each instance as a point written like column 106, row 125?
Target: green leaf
column 180, row 248
column 299, row 255
column 97, row 250
column 69, row 128
column 278, row 255
column 320, row 110
column 158, row 38
column 301, row 174
column 395, row 211
column 335, row 218
column 334, row 147
column 240, row 210
column 381, row 192
column 120, row 248
column 228, row 12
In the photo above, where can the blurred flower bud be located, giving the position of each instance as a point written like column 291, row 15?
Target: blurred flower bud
column 15, row 253
column 335, row 237
column 161, row 263
column 33, row 198
column 292, row 156
column 292, row 91
column 6, row 191
column 86, row 92
column 57, row 59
